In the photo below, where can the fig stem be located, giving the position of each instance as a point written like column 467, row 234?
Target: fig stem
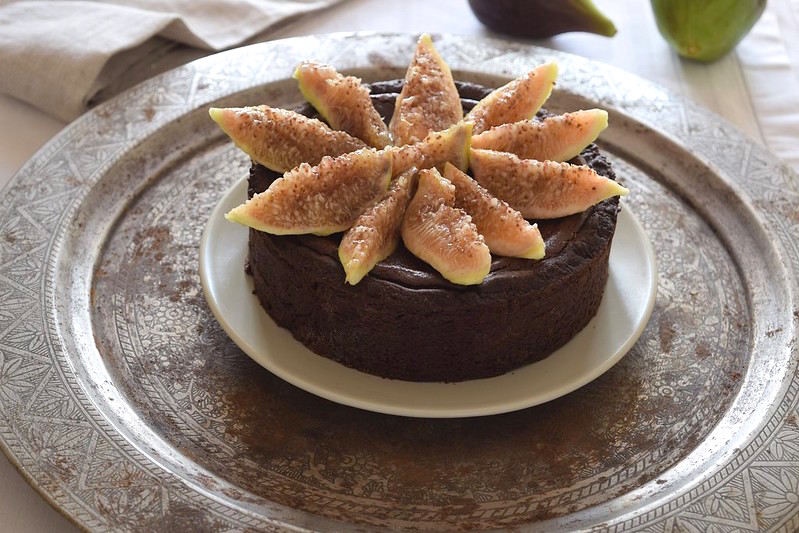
column 602, row 25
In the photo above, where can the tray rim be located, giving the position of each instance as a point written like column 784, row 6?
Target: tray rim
column 56, row 496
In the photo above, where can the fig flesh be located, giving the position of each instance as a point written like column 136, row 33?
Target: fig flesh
column 517, row 100
column 436, row 149
column 428, row 101
column 280, row 139
column 504, row 229
column 558, row 138
column 324, row 199
column 375, row 234
column 343, row 101
column 541, row 189
column 442, row 235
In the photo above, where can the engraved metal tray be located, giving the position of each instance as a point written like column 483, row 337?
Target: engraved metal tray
column 127, row 407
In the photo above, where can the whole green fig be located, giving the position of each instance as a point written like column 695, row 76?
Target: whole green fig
column 705, row 30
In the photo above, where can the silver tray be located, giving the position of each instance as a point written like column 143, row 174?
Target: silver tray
column 126, row 406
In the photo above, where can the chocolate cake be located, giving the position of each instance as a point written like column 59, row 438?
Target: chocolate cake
column 405, row 321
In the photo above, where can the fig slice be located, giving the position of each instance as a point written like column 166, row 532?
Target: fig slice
column 324, row 199
column 517, row 100
column 436, row 149
column 504, row 229
column 442, row 235
column 557, row 138
column 375, row 234
column 343, row 101
column 541, row 189
column 428, row 101
column 280, row 139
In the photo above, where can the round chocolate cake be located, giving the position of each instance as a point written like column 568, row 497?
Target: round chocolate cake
column 405, row 321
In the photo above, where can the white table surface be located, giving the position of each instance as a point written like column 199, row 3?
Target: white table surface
column 756, row 88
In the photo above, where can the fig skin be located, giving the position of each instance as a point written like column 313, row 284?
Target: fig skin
column 537, row 19
column 707, row 30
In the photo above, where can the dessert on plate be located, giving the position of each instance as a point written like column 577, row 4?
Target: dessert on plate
column 426, row 229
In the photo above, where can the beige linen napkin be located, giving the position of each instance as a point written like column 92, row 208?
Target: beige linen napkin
column 58, row 55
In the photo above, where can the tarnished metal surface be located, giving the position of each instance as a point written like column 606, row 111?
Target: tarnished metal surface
column 129, row 408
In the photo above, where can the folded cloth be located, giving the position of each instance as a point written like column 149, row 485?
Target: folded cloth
column 57, row 55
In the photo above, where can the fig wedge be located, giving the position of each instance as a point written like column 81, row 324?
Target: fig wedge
column 504, row 229
column 557, row 138
column 541, row 189
column 324, row 199
column 429, row 100
column 280, row 139
column 375, row 234
column 517, row 100
column 343, row 101
column 442, row 235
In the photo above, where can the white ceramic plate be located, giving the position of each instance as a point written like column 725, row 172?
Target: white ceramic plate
column 624, row 311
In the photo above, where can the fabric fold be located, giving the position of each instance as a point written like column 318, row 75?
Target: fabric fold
column 57, row 55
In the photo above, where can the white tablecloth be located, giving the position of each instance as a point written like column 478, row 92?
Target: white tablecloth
column 756, row 88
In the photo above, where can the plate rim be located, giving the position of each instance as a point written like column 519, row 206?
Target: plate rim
column 392, row 406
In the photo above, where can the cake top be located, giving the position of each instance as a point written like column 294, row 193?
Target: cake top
column 407, row 179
